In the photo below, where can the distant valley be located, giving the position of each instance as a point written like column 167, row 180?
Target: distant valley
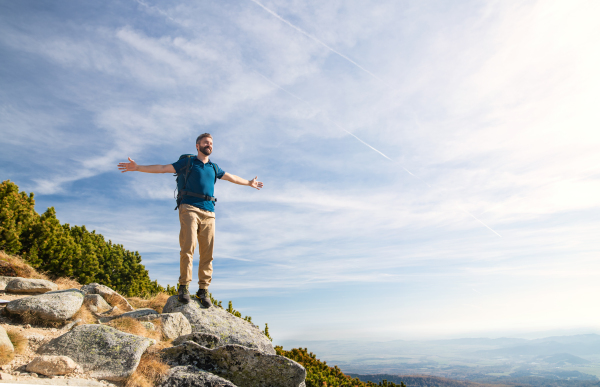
column 551, row 361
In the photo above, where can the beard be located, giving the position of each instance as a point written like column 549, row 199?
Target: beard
column 206, row 150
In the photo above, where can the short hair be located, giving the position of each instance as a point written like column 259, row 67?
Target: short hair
column 200, row 137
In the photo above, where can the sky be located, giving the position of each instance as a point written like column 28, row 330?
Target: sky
column 430, row 169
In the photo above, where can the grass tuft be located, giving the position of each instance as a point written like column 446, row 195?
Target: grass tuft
column 150, row 371
column 6, row 354
column 67, row 283
column 17, row 266
column 28, row 317
column 85, row 315
column 19, row 341
column 133, row 326
column 156, row 302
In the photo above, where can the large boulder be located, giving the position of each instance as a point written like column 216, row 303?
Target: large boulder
column 102, row 351
column 52, row 365
column 112, row 297
column 5, row 340
column 96, row 303
column 53, row 306
column 30, row 285
column 219, row 322
column 244, row 367
column 190, row 376
column 173, row 324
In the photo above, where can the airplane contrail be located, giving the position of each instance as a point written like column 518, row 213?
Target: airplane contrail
column 325, row 115
column 370, row 146
column 316, row 40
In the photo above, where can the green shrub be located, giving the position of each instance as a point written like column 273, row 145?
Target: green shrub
column 64, row 251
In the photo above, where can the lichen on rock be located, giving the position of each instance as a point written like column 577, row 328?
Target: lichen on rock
column 102, row 351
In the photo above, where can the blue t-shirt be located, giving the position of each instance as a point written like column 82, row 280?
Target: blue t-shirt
column 201, row 181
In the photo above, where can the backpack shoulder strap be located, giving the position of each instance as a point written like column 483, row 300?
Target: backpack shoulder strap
column 215, row 168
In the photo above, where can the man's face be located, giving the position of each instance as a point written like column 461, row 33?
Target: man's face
column 205, row 146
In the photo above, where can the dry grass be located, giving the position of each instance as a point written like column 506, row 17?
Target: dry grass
column 19, row 343
column 21, row 268
column 29, row 318
column 157, row 302
column 6, row 354
column 85, row 315
column 149, row 372
column 67, row 283
column 117, row 300
column 18, row 340
column 133, row 326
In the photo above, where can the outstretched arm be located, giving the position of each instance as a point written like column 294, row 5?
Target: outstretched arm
column 133, row 166
column 238, row 180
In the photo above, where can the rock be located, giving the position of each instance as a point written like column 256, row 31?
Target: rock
column 4, row 376
column 173, row 324
column 52, row 365
column 102, row 351
column 190, row 376
column 133, row 314
column 112, row 297
column 204, row 339
column 29, row 285
column 219, row 322
column 4, row 280
column 244, row 367
column 96, row 303
column 5, row 340
column 56, row 306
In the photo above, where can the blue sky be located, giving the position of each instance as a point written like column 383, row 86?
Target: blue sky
column 431, row 169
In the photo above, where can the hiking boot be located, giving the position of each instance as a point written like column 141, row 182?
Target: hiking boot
column 183, row 294
column 202, row 295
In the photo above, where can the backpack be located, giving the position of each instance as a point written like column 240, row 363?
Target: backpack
column 182, row 178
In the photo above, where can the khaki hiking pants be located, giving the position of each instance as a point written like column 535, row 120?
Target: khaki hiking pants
column 196, row 224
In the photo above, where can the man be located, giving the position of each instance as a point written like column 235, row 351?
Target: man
column 196, row 213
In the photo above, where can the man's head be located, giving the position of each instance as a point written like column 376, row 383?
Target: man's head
column 204, row 144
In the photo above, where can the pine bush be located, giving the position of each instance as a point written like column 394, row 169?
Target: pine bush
column 64, row 251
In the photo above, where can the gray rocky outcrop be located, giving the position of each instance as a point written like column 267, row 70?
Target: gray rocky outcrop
column 190, row 376
column 102, row 351
column 53, row 306
column 112, row 297
column 173, row 324
column 30, row 285
column 96, row 303
column 204, row 339
column 244, row 367
column 5, row 340
column 132, row 314
column 4, row 280
column 52, row 365
column 219, row 322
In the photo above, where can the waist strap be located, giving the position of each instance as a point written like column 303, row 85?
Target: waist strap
column 205, row 197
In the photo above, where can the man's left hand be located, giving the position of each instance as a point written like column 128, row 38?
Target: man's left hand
column 254, row 183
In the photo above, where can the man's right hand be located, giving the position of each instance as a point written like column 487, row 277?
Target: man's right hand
column 128, row 167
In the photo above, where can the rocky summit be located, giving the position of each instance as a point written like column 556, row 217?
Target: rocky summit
column 104, row 340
